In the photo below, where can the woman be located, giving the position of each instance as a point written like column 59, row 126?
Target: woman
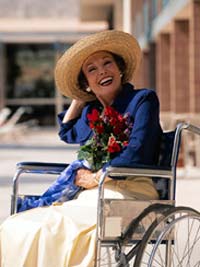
column 95, row 73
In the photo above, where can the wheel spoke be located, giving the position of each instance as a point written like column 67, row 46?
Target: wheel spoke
column 177, row 243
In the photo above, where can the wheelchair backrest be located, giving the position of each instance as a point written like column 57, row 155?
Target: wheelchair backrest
column 166, row 149
column 168, row 157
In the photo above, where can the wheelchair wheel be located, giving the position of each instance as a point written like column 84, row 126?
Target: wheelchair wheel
column 171, row 241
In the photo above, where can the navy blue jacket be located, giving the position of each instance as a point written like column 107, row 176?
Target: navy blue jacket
column 143, row 106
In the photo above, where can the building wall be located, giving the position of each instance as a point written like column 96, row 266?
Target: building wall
column 2, row 76
column 40, row 9
column 174, row 29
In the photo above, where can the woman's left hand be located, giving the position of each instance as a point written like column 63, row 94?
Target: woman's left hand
column 85, row 179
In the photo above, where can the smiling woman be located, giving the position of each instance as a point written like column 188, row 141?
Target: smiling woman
column 115, row 125
column 82, row 81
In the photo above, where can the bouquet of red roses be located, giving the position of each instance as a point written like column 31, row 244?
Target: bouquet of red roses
column 111, row 134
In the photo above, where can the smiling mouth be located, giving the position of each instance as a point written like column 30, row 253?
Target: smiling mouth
column 106, row 81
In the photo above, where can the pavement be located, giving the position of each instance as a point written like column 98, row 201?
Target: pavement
column 44, row 145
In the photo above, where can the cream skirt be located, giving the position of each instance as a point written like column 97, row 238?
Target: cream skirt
column 62, row 236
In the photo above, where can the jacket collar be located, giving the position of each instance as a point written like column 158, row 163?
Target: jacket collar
column 123, row 99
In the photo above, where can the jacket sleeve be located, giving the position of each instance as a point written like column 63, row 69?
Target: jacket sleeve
column 146, row 133
column 75, row 131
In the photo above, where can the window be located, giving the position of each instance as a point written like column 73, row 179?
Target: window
column 30, row 70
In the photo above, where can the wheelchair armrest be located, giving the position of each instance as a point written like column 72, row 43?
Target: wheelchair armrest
column 139, row 170
column 32, row 167
column 41, row 167
column 163, row 177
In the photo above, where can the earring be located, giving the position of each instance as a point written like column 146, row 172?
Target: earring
column 88, row 89
column 120, row 75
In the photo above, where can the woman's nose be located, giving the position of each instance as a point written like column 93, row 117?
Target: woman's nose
column 102, row 71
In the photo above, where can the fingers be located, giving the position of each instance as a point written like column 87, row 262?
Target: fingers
column 85, row 178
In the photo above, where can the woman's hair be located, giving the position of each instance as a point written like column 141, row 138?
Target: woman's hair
column 82, row 81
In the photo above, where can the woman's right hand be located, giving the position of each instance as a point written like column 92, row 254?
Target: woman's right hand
column 74, row 110
column 85, row 178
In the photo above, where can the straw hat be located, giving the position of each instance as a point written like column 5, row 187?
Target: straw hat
column 69, row 65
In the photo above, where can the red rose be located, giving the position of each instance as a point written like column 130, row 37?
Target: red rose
column 113, row 146
column 116, row 130
column 112, row 115
column 125, row 143
column 113, row 121
column 91, row 124
column 110, row 112
column 99, row 128
column 94, row 116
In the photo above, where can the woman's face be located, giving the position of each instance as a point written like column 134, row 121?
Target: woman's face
column 103, row 75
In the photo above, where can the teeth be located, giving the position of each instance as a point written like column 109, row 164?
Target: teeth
column 108, row 79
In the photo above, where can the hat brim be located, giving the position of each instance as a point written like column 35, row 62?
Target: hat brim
column 69, row 65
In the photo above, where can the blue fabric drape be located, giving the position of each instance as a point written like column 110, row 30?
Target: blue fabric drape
column 63, row 189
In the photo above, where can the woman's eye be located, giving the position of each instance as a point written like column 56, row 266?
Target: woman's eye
column 107, row 62
column 91, row 69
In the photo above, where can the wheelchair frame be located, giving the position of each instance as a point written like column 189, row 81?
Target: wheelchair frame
column 165, row 211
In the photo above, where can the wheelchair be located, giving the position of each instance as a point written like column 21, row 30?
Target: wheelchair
column 135, row 232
